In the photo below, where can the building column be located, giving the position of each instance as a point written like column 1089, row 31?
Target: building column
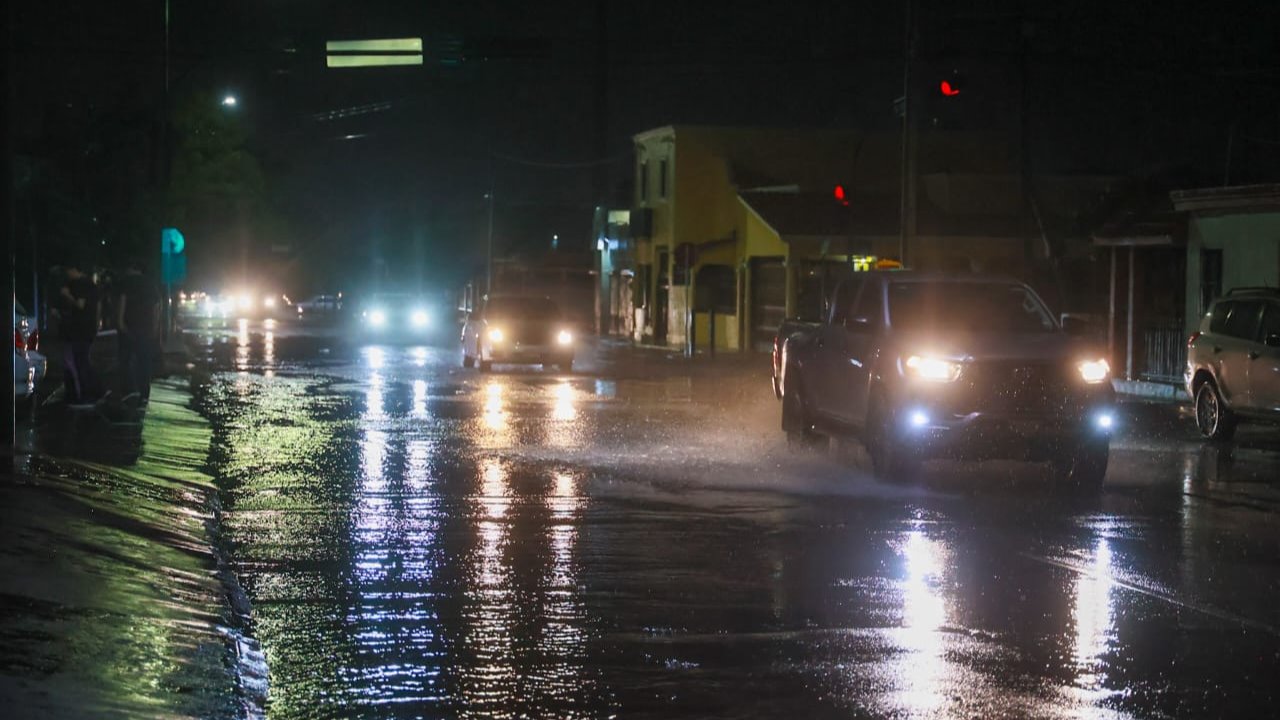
column 1128, row 355
column 1111, row 311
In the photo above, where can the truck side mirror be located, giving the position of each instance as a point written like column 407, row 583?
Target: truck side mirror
column 857, row 324
column 1272, row 340
column 1075, row 325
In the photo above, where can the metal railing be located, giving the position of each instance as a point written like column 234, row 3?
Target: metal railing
column 1165, row 354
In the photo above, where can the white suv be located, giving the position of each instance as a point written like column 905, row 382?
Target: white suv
column 1233, row 362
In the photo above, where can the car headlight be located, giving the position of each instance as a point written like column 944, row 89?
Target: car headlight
column 932, row 369
column 564, row 337
column 419, row 318
column 245, row 301
column 269, row 302
column 1094, row 371
column 378, row 318
column 495, row 335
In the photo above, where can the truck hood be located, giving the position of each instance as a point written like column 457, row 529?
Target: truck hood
column 1031, row 347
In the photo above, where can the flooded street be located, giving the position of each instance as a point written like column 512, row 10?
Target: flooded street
column 633, row 539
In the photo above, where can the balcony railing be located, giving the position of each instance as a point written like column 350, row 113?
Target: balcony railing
column 1165, row 354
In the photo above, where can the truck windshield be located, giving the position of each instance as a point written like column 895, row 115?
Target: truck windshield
column 511, row 308
column 968, row 307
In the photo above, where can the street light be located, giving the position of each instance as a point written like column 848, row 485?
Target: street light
column 229, row 101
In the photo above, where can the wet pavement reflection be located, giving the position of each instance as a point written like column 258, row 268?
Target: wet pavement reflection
column 634, row 539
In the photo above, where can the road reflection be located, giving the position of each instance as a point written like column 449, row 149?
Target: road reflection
column 269, row 348
column 564, row 636
column 488, row 678
column 242, row 345
column 419, row 400
column 1092, row 613
column 924, row 613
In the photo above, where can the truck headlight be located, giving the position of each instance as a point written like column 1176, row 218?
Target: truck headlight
column 932, row 369
column 564, row 337
column 1094, row 371
column 377, row 318
column 495, row 335
column 419, row 318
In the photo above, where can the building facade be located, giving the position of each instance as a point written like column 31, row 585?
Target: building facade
column 733, row 229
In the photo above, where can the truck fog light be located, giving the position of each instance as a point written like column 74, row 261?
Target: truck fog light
column 1105, row 421
column 919, row 419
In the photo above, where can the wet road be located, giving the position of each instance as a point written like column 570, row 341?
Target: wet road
column 634, row 540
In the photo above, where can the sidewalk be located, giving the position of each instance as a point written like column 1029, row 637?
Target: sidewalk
column 116, row 602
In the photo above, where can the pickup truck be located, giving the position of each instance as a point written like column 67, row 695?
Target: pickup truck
column 926, row 365
column 789, row 327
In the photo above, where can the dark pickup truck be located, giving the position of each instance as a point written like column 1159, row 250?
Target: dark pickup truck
column 923, row 365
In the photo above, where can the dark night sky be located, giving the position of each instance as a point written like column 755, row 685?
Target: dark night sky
column 1115, row 86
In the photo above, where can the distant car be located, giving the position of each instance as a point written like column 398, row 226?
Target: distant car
column 319, row 306
column 1233, row 362
column 243, row 303
column 922, row 365
column 518, row 330
column 29, row 366
column 398, row 316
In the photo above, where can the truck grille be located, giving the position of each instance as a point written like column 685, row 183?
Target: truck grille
column 532, row 334
column 1016, row 387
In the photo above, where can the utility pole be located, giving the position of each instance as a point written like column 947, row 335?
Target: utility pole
column 7, row 414
column 907, row 208
column 165, row 163
column 488, row 262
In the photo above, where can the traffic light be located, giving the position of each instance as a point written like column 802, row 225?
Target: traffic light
column 951, row 85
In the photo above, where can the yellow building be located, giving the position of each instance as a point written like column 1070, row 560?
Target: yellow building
column 737, row 228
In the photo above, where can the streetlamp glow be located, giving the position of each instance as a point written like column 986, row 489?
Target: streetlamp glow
column 229, row 101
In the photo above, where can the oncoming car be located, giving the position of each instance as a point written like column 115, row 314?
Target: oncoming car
column 390, row 316
column 921, row 365
column 517, row 330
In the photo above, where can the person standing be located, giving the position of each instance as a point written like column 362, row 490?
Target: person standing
column 137, row 321
column 79, row 315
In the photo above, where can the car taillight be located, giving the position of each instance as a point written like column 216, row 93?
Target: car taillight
column 18, row 342
column 1192, row 339
column 33, row 341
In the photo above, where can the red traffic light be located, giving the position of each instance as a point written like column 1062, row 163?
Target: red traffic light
column 948, row 88
column 840, row 196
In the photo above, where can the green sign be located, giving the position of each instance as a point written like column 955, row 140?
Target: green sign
column 173, row 259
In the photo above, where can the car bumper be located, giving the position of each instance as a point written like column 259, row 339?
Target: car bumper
column 528, row 354
column 938, row 431
column 39, row 365
column 24, row 380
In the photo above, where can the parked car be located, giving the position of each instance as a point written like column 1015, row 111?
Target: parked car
column 1233, row 362
column 319, row 306
column 921, row 365
column 29, row 365
column 517, row 330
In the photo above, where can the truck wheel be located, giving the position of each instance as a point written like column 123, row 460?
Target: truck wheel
column 796, row 423
column 468, row 361
column 566, row 366
column 891, row 458
column 1213, row 419
column 1082, row 465
column 485, row 366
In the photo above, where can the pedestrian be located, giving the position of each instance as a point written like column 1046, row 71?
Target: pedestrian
column 138, row 323
column 79, row 314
